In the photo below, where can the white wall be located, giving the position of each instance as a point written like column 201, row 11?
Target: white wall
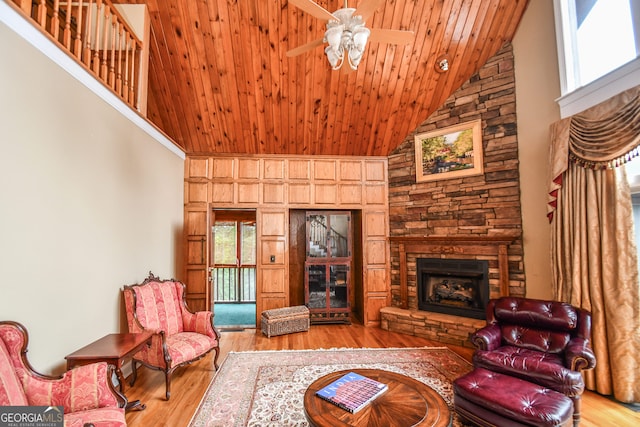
column 89, row 203
column 537, row 88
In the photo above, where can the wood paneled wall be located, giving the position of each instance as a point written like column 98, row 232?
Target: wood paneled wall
column 273, row 185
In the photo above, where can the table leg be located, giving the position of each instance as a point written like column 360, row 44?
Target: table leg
column 134, row 405
column 120, row 378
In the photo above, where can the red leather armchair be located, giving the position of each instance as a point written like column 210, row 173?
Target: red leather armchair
column 543, row 342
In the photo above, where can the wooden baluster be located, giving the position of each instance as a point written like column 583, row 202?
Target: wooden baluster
column 77, row 47
column 112, row 63
column 119, row 68
column 125, row 88
column 55, row 20
column 87, row 55
column 95, row 62
column 104, row 69
column 41, row 17
column 132, row 82
column 66, row 33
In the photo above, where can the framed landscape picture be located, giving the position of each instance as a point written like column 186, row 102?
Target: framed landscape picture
column 452, row 152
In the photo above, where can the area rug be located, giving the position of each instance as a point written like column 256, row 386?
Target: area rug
column 266, row 388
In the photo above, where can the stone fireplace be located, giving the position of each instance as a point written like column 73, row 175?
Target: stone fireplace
column 458, row 287
column 474, row 217
column 445, row 283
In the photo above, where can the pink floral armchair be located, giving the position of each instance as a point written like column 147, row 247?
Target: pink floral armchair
column 180, row 336
column 86, row 393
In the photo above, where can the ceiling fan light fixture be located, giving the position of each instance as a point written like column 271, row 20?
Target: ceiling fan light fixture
column 335, row 59
column 358, row 44
column 345, row 34
column 335, row 51
column 333, row 36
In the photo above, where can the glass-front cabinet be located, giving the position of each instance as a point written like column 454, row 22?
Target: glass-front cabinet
column 327, row 266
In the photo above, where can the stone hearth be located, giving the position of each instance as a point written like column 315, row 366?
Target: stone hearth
column 443, row 328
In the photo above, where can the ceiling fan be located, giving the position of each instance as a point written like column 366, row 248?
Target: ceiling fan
column 346, row 33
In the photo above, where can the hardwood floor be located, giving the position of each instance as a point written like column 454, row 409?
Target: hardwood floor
column 189, row 383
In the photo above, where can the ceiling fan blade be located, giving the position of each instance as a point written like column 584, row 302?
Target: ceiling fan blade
column 380, row 35
column 367, row 8
column 313, row 8
column 304, row 48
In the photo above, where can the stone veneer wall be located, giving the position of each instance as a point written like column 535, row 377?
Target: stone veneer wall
column 481, row 205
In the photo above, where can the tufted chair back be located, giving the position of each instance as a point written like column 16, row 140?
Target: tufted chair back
column 546, row 326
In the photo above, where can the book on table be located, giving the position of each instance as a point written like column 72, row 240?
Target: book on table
column 352, row 391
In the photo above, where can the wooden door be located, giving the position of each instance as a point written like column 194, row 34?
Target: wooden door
column 197, row 257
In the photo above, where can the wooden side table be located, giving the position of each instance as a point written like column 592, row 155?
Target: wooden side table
column 115, row 349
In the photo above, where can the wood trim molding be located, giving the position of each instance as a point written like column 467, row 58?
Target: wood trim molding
column 464, row 245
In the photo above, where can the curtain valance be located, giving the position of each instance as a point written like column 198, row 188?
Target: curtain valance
column 586, row 138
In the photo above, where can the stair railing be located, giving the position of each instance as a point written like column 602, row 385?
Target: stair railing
column 97, row 36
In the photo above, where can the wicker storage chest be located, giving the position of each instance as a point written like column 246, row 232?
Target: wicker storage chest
column 280, row 321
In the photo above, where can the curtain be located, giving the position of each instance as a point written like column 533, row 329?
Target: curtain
column 594, row 256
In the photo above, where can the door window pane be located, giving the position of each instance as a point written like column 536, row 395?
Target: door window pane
column 248, row 249
column 317, row 234
column 338, row 235
column 224, row 234
column 317, row 286
column 338, row 283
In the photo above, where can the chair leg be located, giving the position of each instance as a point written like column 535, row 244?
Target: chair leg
column 215, row 359
column 577, row 404
column 167, row 376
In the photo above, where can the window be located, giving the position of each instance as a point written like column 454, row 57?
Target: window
column 598, row 37
column 598, row 47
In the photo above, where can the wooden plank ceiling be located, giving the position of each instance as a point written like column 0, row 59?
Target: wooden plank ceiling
column 220, row 81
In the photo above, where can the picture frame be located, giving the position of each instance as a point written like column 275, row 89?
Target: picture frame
column 451, row 152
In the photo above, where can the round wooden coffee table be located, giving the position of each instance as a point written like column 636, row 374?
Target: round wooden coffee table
column 408, row 402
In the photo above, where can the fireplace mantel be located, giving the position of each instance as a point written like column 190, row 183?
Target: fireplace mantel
column 493, row 245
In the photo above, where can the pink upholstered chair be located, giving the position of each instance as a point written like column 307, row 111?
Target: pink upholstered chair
column 86, row 393
column 180, row 336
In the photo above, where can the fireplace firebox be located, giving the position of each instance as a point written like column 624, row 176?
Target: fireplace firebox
column 453, row 286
